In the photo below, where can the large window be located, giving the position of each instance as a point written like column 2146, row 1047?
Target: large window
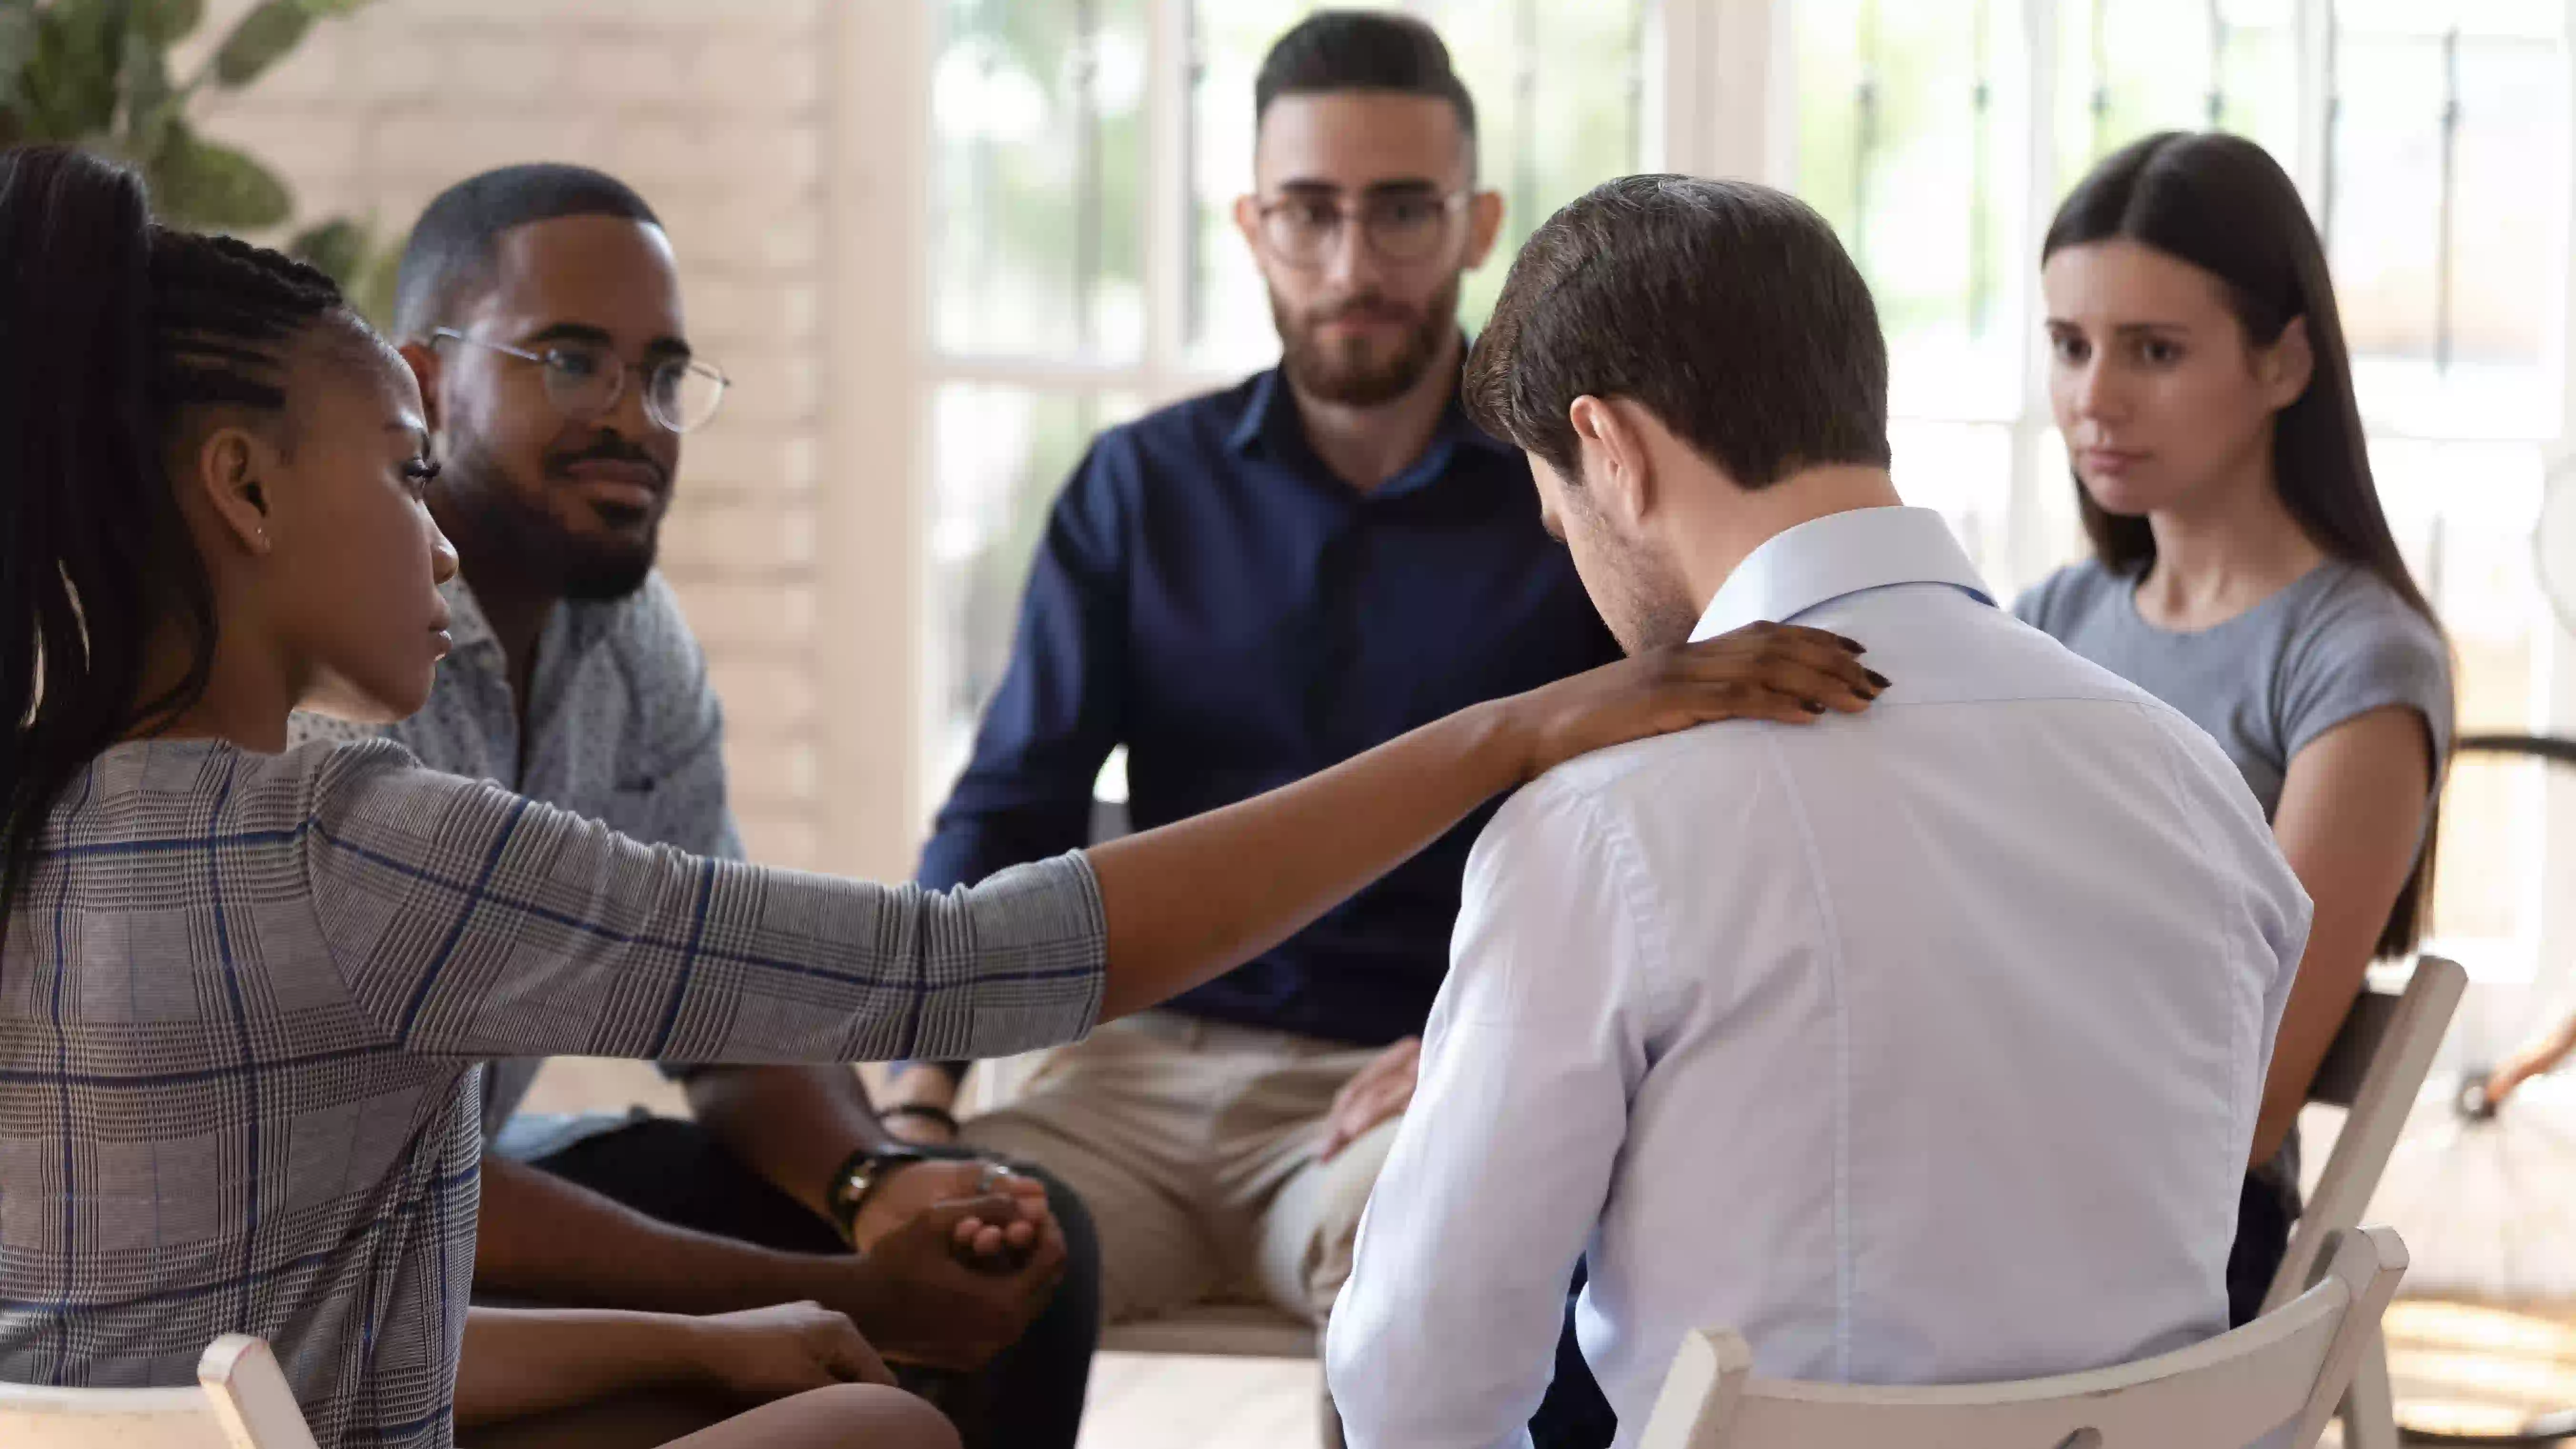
column 1084, row 266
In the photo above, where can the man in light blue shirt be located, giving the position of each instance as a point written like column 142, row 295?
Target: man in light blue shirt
column 1921, row 1046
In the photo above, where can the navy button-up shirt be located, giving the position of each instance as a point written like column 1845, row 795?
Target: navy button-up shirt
column 1211, row 596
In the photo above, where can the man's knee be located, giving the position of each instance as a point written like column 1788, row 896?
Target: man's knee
column 1350, row 1177
column 1337, row 1199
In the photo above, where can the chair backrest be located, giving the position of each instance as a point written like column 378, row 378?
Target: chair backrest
column 2285, row 1370
column 241, row 1402
column 2374, row 1070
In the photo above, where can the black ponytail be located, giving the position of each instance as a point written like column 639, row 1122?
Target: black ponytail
column 110, row 326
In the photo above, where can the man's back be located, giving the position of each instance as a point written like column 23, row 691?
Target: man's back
column 1923, row 1045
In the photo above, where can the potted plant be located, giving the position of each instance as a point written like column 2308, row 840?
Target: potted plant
column 98, row 74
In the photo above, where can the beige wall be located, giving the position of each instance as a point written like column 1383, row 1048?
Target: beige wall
column 735, row 120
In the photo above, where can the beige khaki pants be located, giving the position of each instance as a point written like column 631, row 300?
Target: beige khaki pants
column 1195, row 1145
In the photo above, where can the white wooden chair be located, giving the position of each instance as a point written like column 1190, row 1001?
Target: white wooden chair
column 241, row 1402
column 1220, row 1330
column 2287, row 1368
column 2374, row 1071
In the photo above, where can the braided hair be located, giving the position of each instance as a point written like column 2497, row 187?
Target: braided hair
column 111, row 328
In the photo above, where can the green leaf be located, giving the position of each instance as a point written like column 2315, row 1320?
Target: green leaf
column 262, row 39
column 68, row 89
column 209, row 187
column 17, row 45
column 337, row 246
column 167, row 22
column 371, row 291
column 151, row 102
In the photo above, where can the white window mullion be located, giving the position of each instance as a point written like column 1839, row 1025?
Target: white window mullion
column 2027, row 540
column 2312, row 168
column 1712, row 97
column 1170, row 187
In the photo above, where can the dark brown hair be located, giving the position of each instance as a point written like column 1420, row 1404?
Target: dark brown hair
column 1726, row 308
column 1361, row 50
column 2222, row 204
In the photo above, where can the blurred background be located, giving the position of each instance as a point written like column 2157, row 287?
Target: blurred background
column 937, row 243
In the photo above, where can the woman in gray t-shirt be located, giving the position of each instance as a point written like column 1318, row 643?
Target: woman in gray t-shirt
column 2243, row 571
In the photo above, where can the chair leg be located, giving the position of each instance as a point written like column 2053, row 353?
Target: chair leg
column 2369, row 1406
column 1329, row 1419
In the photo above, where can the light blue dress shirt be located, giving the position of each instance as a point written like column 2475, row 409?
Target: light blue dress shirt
column 1920, row 1046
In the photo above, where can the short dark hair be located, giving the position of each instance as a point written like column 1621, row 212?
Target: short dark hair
column 1727, row 308
column 453, row 246
column 1361, row 50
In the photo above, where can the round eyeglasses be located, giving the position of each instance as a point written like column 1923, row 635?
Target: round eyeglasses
column 1304, row 231
column 585, row 380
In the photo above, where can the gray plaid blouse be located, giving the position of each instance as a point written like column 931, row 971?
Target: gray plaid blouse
column 242, row 998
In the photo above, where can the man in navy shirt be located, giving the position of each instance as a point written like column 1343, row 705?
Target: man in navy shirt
column 1243, row 589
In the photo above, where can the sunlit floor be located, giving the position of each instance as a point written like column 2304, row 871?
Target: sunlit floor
column 1154, row 1402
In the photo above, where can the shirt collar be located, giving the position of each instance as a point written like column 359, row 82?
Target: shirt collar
column 1839, row 554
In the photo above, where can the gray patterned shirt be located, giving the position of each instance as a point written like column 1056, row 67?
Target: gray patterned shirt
column 622, row 727
column 242, row 999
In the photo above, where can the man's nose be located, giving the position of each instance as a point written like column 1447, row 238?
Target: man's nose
column 1350, row 263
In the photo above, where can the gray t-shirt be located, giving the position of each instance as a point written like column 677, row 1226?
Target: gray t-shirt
column 2335, row 644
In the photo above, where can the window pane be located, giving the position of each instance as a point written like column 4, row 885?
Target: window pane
column 1037, row 203
column 2055, row 529
column 2385, row 225
column 2128, row 68
column 1229, row 319
column 1000, row 455
column 2470, row 549
column 1964, row 470
column 2447, row 219
column 1556, row 86
column 1910, row 140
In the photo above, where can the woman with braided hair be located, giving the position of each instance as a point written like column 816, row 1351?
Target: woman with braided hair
column 243, row 990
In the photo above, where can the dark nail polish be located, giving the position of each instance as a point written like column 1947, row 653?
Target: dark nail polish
column 1854, row 645
column 1874, row 677
column 1815, row 706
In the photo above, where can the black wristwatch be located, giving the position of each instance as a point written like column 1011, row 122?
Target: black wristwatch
column 860, row 1174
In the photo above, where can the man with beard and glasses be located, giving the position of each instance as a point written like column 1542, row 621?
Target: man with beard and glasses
column 1242, row 589
column 540, row 306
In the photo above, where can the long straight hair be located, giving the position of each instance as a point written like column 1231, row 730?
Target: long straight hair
column 2222, row 204
column 110, row 326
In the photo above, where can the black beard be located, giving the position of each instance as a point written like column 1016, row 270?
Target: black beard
column 508, row 536
column 1323, row 373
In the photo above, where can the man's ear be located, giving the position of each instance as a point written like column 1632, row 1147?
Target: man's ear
column 1247, row 222
column 1615, row 463
column 425, row 368
column 232, row 468
column 1484, row 225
